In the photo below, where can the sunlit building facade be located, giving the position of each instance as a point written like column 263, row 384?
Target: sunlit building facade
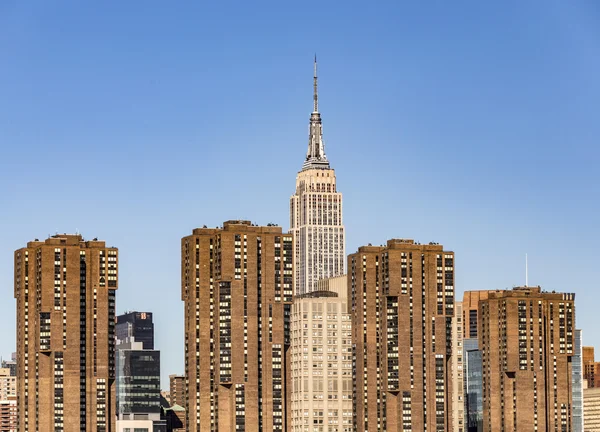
column 65, row 288
column 316, row 213
column 321, row 363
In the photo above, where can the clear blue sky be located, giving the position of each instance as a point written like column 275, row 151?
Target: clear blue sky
column 473, row 124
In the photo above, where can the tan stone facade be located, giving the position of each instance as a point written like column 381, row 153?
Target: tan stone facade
column 65, row 290
column 321, row 363
column 336, row 284
column 402, row 298
column 316, row 224
column 526, row 338
column 237, row 289
column 591, row 409
column 8, row 384
column 458, row 400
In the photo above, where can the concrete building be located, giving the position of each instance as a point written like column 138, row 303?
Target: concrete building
column 65, row 289
column 8, row 400
column 316, row 213
column 237, row 292
column 8, row 415
column 458, row 397
column 321, row 363
column 11, row 365
column 137, row 426
column 526, row 339
column 336, row 284
column 402, row 298
column 177, row 390
column 8, row 384
column 591, row 409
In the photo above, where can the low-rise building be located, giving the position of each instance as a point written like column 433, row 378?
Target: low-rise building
column 591, row 409
column 8, row 414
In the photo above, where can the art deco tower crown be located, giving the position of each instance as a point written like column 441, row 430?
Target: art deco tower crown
column 316, row 212
column 315, row 156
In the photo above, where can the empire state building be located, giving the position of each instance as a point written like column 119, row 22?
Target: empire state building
column 316, row 213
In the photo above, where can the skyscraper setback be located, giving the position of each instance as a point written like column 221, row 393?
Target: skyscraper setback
column 402, row 298
column 237, row 289
column 316, row 213
column 65, row 290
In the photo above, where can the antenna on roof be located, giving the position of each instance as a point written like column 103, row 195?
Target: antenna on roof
column 526, row 271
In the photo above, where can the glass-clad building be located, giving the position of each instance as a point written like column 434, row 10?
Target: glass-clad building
column 136, row 326
column 473, row 385
column 576, row 368
column 138, row 381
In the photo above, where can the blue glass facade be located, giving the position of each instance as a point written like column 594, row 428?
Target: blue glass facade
column 473, row 385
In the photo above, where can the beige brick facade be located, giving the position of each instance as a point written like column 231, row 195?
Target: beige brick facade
column 321, row 363
column 458, row 399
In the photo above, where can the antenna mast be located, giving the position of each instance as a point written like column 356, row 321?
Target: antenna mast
column 526, row 272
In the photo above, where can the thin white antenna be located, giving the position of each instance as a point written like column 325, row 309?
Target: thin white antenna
column 526, row 272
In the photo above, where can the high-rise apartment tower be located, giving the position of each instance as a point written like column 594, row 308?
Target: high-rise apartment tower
column 316, row 213
column 65, row 290
column 526, row 338
column 402, row 299
column 237, row 289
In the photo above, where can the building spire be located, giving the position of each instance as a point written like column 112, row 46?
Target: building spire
column 315, row 89
column 315, row 157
